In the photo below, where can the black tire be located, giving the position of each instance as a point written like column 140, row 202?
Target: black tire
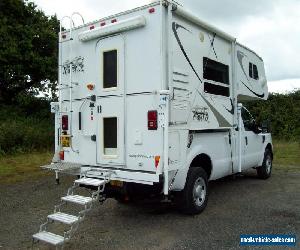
column 193, row 198
column 265, row 171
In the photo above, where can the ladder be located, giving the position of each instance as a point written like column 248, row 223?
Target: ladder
column 71, row 221
column 70, row 85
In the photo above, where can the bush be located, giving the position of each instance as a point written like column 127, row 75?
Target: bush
column 26, row 127
column 283, row 111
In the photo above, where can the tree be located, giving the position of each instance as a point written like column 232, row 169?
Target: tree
column 28, row 49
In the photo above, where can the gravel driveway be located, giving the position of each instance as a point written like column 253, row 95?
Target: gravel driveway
column 243, row 204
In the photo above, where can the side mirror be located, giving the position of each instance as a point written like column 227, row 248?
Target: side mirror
column 255, row 127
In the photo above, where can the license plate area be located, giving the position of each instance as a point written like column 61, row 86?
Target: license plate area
column 65, row 141
column 116, row 183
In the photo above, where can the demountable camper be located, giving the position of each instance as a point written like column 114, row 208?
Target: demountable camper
column 149, row 103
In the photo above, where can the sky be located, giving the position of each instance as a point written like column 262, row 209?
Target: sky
column 269, row 27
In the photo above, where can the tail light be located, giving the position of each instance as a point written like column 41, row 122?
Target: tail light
column 152, row 120
column 62, row 155
column 65, row 122
column 157, row 159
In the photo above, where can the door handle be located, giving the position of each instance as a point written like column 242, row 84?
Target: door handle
column 246, row 139
column 99, row 109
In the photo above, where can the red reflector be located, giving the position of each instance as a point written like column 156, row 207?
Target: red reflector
column 152, row 120
column 65, row 122
column 114, row 21
column 102, row 24
column 92, row 27
column 152, row 10
column 62, row 155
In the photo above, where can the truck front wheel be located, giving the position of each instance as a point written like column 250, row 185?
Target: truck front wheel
column 264, row 172
column 193, row 198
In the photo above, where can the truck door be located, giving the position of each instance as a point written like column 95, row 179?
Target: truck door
column 251, row 142
column 110, row 101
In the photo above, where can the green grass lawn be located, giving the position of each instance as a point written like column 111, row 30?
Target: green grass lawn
column 287, row 153
column 15, row 168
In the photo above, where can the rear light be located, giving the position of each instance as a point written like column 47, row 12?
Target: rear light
column 92, row 27
column 114, row 21
column 102, row 24
column 65, row 122
column 157, row 159
column 152, row 10
column 62, row 155
column 152, row 120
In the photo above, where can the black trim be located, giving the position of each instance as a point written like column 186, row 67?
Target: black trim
column 79, row 119
column 175, row 27
column 254, row 93
column 216, row 89
column 212, row 42
column 232, row 107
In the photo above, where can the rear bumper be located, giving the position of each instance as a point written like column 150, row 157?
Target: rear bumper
column 100, row 172
column 122, row 175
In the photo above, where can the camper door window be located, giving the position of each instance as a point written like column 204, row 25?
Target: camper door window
column 110, row 69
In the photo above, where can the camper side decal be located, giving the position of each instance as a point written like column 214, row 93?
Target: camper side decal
column 202, row 116
column 240, row 57
column 77, row 65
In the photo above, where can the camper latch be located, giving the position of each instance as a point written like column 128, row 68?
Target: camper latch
column 99, row 109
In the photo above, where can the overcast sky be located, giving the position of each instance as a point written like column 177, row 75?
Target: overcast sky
column 270, row 27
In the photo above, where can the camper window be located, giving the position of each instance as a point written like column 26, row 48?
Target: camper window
column 215, row 71
column 253, row 72
column 216, row 89
column 110, row 133
column 110, row 69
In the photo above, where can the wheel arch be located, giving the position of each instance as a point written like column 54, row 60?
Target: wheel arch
column 270, row 147
column 204, row 161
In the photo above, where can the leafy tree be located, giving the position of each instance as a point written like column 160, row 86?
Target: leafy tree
column 28, row 50
column 283, row 111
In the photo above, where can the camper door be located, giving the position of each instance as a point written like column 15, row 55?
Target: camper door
column 110, row 101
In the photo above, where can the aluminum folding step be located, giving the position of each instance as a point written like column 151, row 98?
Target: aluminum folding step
column 64, row 218
column 90, row 182
column 50, row 238
column 77, row 199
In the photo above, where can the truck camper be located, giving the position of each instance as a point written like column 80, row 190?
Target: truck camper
column 150, row 105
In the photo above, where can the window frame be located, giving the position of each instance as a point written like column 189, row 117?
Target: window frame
column 109, row 156
column 103, row 70
column 206, row 61
column 253, row 71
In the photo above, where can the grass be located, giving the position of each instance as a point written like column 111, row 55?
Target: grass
column 20, row 167
column 287, row 153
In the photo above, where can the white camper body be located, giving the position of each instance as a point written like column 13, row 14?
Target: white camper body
column 150, row 93
column 149, row 105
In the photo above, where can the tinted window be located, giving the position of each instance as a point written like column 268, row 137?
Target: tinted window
column 251, row 70
column 215, row 71
column 110, row 133
column 255, row 72
column 110, row 69
column 216, row 89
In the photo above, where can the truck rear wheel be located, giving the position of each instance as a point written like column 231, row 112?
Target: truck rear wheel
column 264, row 172
column 193, row 198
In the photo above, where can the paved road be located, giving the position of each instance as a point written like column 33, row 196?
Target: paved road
column 236, row 205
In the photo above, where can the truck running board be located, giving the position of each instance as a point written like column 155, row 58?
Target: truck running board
column 72, row 221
